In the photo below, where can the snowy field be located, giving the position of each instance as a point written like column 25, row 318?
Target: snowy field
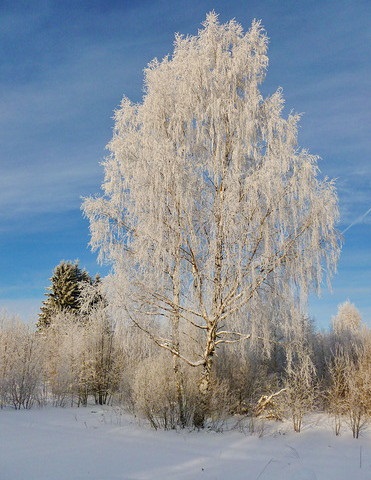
column 100, row 444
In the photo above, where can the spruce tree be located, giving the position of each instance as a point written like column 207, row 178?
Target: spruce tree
column 64, row 293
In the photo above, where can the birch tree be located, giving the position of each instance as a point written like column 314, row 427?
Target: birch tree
column 348, row 320
column 208, row 204
column 20, row 364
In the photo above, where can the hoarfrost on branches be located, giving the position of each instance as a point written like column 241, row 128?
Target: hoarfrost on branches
column 209, row 206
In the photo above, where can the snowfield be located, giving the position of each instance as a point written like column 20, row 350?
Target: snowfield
column 103, row 444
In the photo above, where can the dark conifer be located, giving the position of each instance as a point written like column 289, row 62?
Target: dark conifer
column 64, row 292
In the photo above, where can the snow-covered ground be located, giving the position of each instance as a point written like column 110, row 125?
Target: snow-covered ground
column 101, row 444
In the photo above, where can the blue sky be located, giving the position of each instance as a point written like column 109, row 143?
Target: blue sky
column 65, row 66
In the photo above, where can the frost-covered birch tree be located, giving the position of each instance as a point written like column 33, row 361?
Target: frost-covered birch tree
column 348, row 320
column 208, row 204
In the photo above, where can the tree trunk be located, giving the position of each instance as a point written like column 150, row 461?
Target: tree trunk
column 204, row 387
column 176, row 339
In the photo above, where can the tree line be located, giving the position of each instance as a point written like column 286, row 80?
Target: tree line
column 84, row 352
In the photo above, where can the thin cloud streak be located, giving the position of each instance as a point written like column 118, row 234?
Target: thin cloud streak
column 358, row 220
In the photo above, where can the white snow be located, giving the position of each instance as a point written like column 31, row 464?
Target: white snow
column 102, row 444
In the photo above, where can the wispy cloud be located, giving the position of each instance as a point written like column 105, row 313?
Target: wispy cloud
column 56, row 119
column 357, row 220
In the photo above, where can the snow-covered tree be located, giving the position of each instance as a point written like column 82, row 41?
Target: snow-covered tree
column 299, row 394
column 208, row 204
column 64, row 293
column 101, row 367
column 348, row 320
column 349, row 392
column 20, row 363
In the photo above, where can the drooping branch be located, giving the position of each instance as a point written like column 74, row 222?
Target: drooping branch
column 163, row 343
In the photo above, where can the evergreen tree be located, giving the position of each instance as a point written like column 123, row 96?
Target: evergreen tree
column 64, row 293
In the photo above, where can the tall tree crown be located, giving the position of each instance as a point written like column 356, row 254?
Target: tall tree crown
column 208, row 204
